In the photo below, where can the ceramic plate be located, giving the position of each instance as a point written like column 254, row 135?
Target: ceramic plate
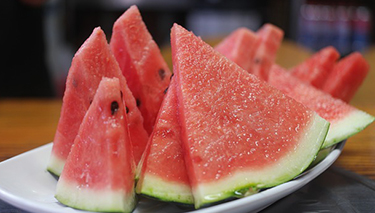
column 25, row 183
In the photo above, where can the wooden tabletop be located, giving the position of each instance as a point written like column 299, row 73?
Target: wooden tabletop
column 29, row 123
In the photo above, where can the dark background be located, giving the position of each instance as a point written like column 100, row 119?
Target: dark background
column 39, row 37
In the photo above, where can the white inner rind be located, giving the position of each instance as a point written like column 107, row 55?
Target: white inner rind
column 351, row 124
column 286, row 168
column 170, row 191
column 102, row 200
column 55, row 165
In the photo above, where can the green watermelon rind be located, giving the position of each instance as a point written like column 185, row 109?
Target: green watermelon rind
column 154, row 187
column 284, row 170
column 55, row 165
column 322, row 154
column 346, row 127
column 100, row 200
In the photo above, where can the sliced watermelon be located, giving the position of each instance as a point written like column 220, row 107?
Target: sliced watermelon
column 99, row 172
column 269, row 41
column 92, row 61
column 334, row 111
column 237, row 131
column 163, row 175
column 345, row 120
column 346, row 77
column 316, row 69
column 239, row 47
column 141, row 63
column 255, row 53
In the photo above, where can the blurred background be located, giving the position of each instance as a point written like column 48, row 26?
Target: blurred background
column 40, row 37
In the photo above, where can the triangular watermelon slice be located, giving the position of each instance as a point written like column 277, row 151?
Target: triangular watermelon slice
column 99, row 172
column 163, row 174
column 346, row 77
column 255, row 53
column 237, row 131
column 317, row 68
column 141, row 63
column 345, row 120
column 269, row 41
column 239, row 47
column 92, row 61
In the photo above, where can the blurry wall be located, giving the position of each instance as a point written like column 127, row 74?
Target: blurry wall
column 346, row 25
column 24, row 71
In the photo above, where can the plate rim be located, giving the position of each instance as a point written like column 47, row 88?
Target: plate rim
column 19, row 202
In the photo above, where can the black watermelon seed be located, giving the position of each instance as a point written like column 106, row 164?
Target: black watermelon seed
column 127, row 109
column 90, row 102
column 138, row 102
column 165, row 91
column 171, row 76
column 162, row 74
column 121, row 94
column 114, row 107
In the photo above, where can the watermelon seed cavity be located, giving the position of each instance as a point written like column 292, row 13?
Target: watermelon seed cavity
column 138, row 102
column 74, row 83
column 114, row 107
column 162, row 74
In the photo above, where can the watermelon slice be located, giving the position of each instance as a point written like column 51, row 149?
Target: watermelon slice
column 141, row 63
column 346, row 77
column 316, row 69
column 92, row 61
column 332, row 110
column 255, row 53
column 269, row 41
column 237, row 131
column 239, row 47
column 163, row 175
column 345, row 120
column 99, row 172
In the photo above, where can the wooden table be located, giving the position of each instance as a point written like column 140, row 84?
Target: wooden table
column 28, row 123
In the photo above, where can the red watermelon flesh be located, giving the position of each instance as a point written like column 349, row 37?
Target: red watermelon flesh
column 346, row 77
column 316, row 69
column 237, row 131
column 163, row 174
column 255, row 53
column 99, row 171
column 239, row 47
column 345, row 120
column 141, row 63
column 332, row 110
column 269, row 41
column 92, row 61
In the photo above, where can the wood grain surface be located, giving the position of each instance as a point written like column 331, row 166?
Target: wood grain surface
column 29, row 123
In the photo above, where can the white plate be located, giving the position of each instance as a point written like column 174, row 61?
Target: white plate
column 25, row 183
